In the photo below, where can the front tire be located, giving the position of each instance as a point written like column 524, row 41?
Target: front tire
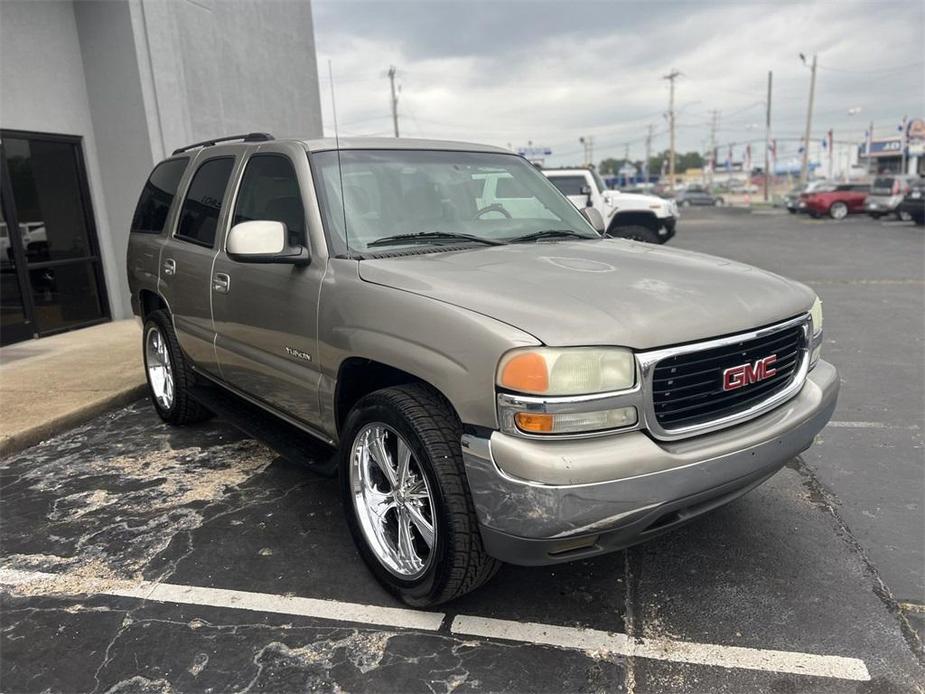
column 635, row 232
column 170, row 377
column 406, row 497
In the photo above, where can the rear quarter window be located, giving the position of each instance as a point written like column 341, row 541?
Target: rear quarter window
column 157, row 196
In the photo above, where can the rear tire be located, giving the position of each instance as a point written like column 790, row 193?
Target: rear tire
column 419, row 418
column 169, row 374
column 838, row 210
column 635, row 232
column 903, row 216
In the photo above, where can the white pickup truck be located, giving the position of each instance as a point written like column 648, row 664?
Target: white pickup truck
column 628, row 215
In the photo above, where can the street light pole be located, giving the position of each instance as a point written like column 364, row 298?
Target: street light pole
column 391, row 73
column 671, row 77
column 767, row 139
column 804, row 170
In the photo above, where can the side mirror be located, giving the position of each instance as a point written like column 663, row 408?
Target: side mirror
column 264, row 241
column 594, row 219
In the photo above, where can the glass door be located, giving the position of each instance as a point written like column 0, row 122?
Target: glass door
column 52, row 276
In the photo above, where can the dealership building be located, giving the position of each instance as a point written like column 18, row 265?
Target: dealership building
column 92, row 94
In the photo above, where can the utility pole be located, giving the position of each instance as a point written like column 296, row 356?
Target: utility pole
column 671, row 77
column 588, row 144
column 645, row 165
column 870, row 145
column 714, row 124
column 391, row 74
column 767, row 139
column 804, row 171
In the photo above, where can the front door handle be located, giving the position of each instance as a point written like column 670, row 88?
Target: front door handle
column 170, row 267
column 221, row 283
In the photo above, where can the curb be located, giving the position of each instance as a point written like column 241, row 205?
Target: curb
column 20, row 440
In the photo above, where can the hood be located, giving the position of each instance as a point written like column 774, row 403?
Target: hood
column 599, row 292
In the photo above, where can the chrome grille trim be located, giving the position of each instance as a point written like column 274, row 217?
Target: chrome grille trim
column 648, row 360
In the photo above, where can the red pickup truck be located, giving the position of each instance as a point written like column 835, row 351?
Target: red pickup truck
column 838, row 200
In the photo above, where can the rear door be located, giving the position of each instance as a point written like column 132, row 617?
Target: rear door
column 185, row 271
column 266, row 314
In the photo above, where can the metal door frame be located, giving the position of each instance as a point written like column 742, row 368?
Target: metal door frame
column 12, row 219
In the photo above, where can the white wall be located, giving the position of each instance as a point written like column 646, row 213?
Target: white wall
column 42, row 88
column 229, row 66
column 139, row 78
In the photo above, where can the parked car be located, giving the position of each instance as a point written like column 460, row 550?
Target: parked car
column 913, row 204
column 697, row 195
column 886, row 192
column 627, row 215
column 793, row 197
column 836, row 200
column 503, row 382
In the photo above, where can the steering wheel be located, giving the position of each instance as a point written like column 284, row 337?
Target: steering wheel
column 494, row 207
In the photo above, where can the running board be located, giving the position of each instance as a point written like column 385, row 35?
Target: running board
column 288, row 440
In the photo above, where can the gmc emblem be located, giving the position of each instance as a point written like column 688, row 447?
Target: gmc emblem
column 736, row 377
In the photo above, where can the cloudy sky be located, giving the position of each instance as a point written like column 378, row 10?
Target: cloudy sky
column 509, row 72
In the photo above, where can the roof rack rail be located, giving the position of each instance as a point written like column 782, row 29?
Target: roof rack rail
column 247, row 137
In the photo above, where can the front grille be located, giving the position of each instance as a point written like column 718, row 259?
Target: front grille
column 687, row 389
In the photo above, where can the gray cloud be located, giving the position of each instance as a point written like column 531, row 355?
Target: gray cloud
column 508, row 72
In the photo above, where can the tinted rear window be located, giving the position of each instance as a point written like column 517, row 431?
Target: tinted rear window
column 157, row 196
column 203, row 202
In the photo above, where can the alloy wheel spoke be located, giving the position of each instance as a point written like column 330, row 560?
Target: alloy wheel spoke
column 405, row 542
column 379, row 454
column 404, row 462
column 424, row 527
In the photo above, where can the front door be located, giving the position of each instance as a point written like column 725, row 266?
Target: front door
column 50, row 268
column 266, row 315
column 187, row 256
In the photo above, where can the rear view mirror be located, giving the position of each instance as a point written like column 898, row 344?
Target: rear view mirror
column 263, row 241
column 594, row 218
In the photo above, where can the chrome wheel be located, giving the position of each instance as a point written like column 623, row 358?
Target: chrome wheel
column 160, row 372
column 839, row 210
column 393, row 501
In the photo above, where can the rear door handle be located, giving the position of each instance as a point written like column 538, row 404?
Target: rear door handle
column 170, row 267
column 221, row 283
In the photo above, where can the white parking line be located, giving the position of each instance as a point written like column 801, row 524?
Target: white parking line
column 595, row 641
column 870, row 425
column 589, row 641
column 244, row 600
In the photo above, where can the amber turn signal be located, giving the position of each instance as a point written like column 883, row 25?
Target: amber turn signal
column 534, row 423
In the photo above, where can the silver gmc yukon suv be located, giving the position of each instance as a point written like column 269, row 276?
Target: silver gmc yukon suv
column 501, row 381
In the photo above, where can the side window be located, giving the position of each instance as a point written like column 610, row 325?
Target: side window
column 569, row 185
column 203, row 202
column 157, row 196
column 270, row 191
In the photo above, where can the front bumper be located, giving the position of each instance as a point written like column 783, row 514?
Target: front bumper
column 882, row 205
column 668, row 228
column 627, row 488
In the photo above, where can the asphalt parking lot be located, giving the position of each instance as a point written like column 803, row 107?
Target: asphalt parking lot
column 137, row 557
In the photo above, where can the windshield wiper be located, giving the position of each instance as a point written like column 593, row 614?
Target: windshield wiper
column 426, row 236
column 550, row 234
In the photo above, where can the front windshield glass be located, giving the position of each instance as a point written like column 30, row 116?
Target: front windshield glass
column 492, row 196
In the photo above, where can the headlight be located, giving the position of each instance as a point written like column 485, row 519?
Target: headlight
column 815, row 316
column 567, row 371
column 573, row 390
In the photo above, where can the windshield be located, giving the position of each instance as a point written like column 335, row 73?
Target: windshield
column 389, row 193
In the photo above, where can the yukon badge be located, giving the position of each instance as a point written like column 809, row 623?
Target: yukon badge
column 736, row 377
column 298, row 354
